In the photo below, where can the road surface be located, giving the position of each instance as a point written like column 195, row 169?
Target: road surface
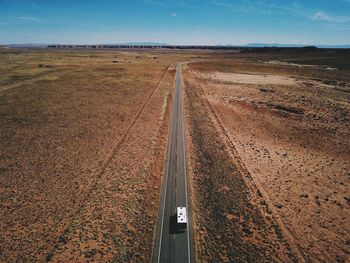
column 173, row 244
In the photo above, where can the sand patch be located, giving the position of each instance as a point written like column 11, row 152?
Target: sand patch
column 252, row 78
column 284, row 63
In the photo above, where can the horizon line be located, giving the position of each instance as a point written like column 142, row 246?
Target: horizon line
column 145, row 43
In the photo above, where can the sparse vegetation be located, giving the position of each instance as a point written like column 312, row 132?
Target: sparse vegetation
column 229, row 226
column 83, row 138
column 59, row 133
column 290, row 138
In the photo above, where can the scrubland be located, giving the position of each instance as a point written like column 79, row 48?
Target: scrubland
column 289, row 125
column 68, row 119
column 83, row 137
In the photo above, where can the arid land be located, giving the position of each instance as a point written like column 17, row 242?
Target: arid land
column 68, row 119
column 83, row 137
column 287, row 126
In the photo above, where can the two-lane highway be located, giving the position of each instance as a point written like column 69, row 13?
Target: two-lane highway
column 173, row 244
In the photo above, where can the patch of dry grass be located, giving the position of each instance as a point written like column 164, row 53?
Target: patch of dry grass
column 292, row 141
column 59, row 124
column 233, row 222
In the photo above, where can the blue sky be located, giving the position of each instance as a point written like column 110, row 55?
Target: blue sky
column 175, row 22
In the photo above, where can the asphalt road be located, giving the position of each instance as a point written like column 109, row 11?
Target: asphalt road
column 173, row 244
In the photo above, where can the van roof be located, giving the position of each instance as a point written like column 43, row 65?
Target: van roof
column 181, row 215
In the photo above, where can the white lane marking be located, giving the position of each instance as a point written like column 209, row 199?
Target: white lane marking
column 185, row 170
column 161, row 229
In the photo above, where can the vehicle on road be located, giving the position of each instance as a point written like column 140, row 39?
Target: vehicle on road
column 181, row 217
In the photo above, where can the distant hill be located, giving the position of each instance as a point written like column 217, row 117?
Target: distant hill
column 333, row 46
column 29, row 45
column 43, row 45
column 145, row 44
column 294, row 45
column 150, row 44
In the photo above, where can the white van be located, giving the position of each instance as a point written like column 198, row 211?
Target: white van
column 181, row 217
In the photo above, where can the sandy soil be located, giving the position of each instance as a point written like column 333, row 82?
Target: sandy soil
column 294, row 141
column 83, row 137
column 250, row 78
column 62, row 116
column 232, row 221
column 116, row 223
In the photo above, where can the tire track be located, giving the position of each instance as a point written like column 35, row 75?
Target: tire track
column 84, row 194
column 243, row 169
column 46, row 77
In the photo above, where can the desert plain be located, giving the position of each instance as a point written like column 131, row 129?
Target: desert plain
column 83, row 139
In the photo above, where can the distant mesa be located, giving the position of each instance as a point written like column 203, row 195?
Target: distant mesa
column 261, row 45
column 146, row 43
column 245, row 48
column 273, row 45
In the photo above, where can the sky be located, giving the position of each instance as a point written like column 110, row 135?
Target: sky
column 187, row 22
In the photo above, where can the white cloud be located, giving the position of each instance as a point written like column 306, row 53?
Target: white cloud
column 260, row 7
column 174, row 14
column 268, row 8
column 322, row 16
